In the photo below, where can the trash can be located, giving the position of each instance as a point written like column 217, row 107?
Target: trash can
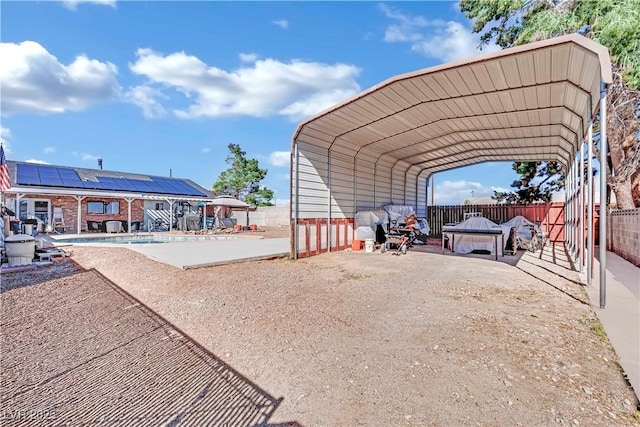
column 27, row 229
column 21, row 249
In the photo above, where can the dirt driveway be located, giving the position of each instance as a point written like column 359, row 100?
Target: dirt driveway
column 373, row 339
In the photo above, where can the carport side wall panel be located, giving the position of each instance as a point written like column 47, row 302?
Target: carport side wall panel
column 421, row 196
column 365, row 192
column 311, row 182
column 398, row 187
column 342, row 189
column 383, row 181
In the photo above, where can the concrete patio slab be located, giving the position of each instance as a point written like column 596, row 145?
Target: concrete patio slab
column 621, row 316
column 187, row 255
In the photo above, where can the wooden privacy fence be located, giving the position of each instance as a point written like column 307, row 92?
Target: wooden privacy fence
column 550, row 216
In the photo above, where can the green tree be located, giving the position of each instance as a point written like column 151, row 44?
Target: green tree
column 538, row 181
column 242, row 179
column 612, row 23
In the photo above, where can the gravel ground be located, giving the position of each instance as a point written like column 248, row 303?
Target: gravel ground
column 346, row 338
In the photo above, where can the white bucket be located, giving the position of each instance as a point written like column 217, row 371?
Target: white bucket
column 368, row 245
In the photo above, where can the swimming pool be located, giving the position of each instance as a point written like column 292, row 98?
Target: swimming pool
column 142, row 239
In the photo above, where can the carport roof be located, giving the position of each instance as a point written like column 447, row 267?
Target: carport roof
column 526, row 103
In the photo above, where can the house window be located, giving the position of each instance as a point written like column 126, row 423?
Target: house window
column 112, row 208
column 160, row 206
column 105, row 208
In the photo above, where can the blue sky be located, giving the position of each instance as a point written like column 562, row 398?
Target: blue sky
column 154, row 86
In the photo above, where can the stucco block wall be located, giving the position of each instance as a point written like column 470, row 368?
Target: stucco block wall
column 269, row 216
column 624, row 234
column 70, row 211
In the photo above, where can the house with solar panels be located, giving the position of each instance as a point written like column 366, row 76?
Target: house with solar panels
column 74, row 200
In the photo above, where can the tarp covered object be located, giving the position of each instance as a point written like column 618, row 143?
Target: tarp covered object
column 465, row 244
column 370, row 219
column 523, row 227
column 399, row 213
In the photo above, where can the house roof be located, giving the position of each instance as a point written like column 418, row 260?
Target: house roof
column 526, row 103
column 52, row 179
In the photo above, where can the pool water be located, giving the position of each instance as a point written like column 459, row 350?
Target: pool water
column 133, row 240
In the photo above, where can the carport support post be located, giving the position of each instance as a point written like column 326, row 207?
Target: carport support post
column 568, row 205
column 603, row 195
column 296, row 188
column 590, row 205
column 329, row 206
column 571, row 211
column 570, row 196
column 581, row 216
column 576, row 210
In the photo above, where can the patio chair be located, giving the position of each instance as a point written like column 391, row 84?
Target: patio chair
column 113, row 226
column 94, row 227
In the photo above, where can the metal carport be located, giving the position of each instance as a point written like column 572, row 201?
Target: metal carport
column 532, row 102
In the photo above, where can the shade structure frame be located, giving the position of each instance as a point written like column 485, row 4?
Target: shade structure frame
column 385, row 143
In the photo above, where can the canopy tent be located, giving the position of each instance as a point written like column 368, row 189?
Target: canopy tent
column 227, row 201
column 534, row 102
column 223, row 205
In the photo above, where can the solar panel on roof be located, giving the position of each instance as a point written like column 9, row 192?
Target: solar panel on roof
column 51, row 181
column 72, row 183
column 31, row 174
column 129, row 184
column 69, row 174
column 29, row 180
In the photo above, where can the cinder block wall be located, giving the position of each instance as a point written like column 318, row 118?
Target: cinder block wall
column 623, row 237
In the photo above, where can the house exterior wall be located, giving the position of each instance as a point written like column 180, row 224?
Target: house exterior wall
column 70, row 211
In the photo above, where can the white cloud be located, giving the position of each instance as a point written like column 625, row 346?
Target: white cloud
column 265, row 88
column 49, row 149
column 5, row 133
column 455, row 192
column 85, row 156
column 40, row 162
column 73, row 4
column 33, row 80
column 206, row 150
column 443, row 40
column 282, row 23
column 279, row 158
column 248, row 57
column 146, row 97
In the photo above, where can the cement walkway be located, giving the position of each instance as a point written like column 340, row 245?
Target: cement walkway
column 214, row 252
column 621, row 316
